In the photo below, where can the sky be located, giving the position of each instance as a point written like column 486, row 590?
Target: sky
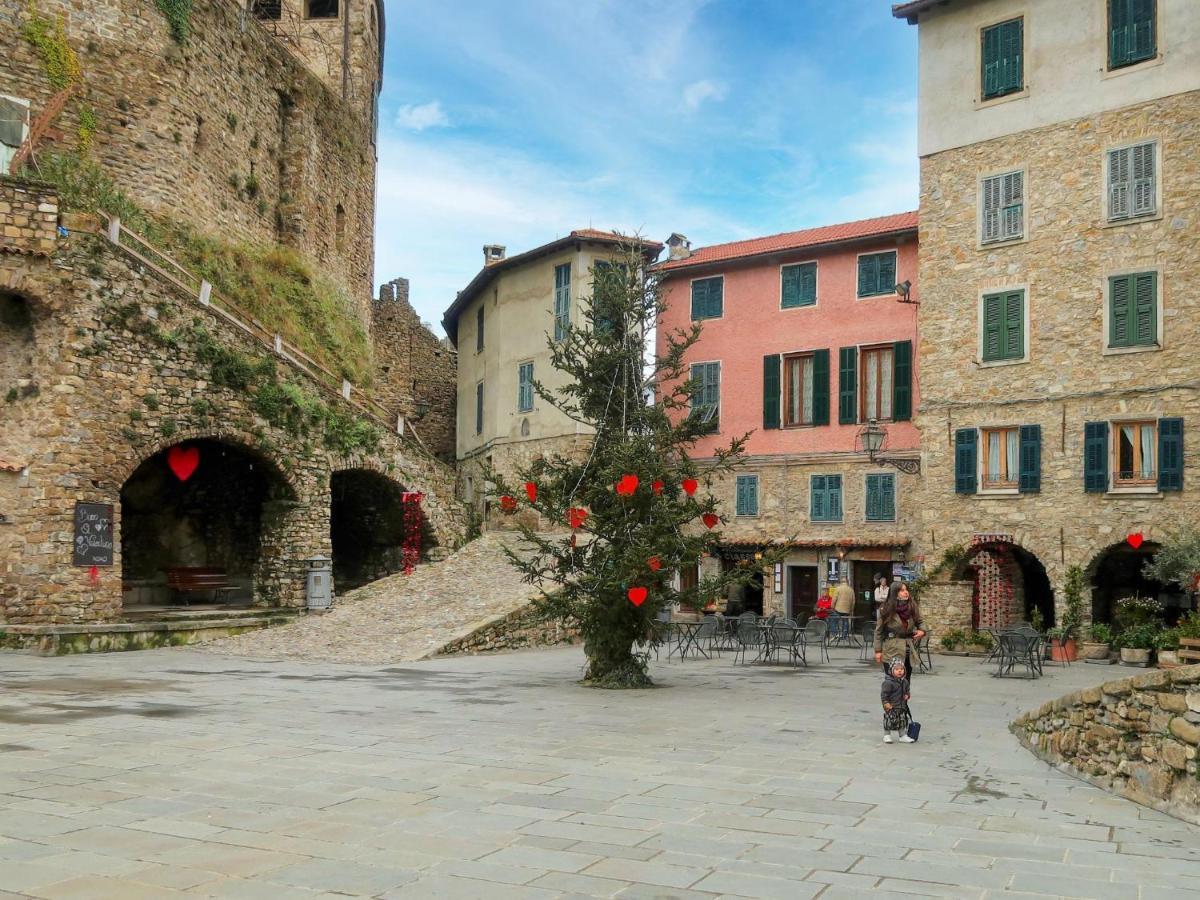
column 515, row 121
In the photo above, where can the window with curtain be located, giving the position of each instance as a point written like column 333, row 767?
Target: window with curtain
column 1134, row 449
column 1002, row 457
column 875, row 383
column 798, row 389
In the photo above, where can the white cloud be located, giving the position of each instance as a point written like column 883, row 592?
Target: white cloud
column 418, row 117
column 699, row 91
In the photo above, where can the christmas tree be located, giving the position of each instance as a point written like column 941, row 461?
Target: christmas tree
column 632, row 508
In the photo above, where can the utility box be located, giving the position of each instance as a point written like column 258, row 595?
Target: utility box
column 319, row 590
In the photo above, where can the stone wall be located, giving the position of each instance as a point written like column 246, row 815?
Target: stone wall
column 229, row 132
column 413, row 366
column 520, row 629
column 29, row 212
column 118, row 377
column 946, row 606
column 507, row 458
column 1137, row 737
column 1069, row 379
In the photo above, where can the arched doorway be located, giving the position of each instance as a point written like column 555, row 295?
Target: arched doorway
column 203, row 506
column 367, row 527
column 1116, row 572
column 1010, row 584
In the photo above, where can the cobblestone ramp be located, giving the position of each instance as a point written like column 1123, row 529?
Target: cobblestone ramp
column 402, row 617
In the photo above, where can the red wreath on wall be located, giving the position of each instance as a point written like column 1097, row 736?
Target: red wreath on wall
column 411, row 523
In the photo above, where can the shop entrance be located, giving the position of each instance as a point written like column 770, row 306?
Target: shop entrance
column 802, row 592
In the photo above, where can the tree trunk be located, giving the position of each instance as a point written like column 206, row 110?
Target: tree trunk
column 608, row 642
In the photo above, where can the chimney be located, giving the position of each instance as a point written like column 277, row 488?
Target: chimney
column 492, row 253
column 678, row 246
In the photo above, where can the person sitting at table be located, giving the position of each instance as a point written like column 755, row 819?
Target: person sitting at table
column 824, row 605
column 843, row 608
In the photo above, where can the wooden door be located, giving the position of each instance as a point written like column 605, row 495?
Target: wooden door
column 802, row 592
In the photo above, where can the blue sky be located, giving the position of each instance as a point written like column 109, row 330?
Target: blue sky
column 513, row 122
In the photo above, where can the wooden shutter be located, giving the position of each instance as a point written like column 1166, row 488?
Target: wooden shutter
column 848, row 385
column 699, row 299
column 741, row 504
column 902, row 381
column 1030, row 480
column 479, row 328
column 716, row 297
column 1119, row 312
column 991, row 62
column 1002, row 59
column 817, row 507
column 1012, row 224
column 1014, row 325
column 1170, row 454
column 1144, row 308
column 771, row 391
column 886, row 278
column 789, row 286
column 993, row 327
column 833, row 496
column 1118, row 33
column 1144, row 200
column 820, row 387
column 872, row 497
column 1119, row 183
column 888, row 498
column 479, row 408
column 1143, row 43
column 991, row 209
column 808, row 284
column 965, row 460
column 1095, row 457
column 866, row 275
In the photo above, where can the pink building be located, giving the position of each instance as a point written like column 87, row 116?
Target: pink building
column 805, row 342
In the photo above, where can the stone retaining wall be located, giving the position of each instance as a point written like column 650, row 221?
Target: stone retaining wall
column 521, row 628
column 1136, row 737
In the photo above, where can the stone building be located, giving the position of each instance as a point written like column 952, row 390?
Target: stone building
column 1060, row 195
column 804, row 344
column 500, row 324
column 149, row 428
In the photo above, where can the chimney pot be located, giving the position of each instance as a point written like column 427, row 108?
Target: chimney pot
column 492, row 253
column 678, row 246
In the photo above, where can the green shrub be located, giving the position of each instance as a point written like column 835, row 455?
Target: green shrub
column 1189, row 626
column 1101, row 633
column 1137, row 610
column 982, row 640
column 953, row 639
column 1167, row 639
column 1139, row 637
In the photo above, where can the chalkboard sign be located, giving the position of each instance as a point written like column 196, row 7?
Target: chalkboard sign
column 93, row 534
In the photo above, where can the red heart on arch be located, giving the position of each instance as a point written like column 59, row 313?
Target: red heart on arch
column 1135, row 540
column 637, row 595
column 576, row 516
column 508, row 504
column 183, row 461
column 657, row 487
column 654, row 563
column 710, row 520
column 690, row 485
column 531, row 491
column 627, row 485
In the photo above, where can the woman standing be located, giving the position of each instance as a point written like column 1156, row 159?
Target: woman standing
column 898, row 627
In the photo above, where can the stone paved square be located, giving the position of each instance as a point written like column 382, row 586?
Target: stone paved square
column 180, row 773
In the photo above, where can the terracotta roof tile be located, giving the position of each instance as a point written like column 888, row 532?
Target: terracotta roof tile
column 797, row 240
column 10, row 465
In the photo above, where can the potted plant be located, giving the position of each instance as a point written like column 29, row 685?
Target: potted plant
column 952, row 640
column 1166, row 645
column 1062, row 638
column 979, row 642
column 1062, row 645
column 1099, row 640
column 1037, row 620
column 1136, row 644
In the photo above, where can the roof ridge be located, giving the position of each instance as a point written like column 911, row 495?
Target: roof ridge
column 779, row 234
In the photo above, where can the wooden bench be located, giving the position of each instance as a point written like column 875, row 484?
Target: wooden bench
column 186, row 580
column 1189, row 650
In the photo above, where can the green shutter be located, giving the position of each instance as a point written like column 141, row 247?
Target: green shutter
column 965, row 460
column 866, row 275
column 771, row 391
column 808, row 284
column 902, row 381
column 888, row 500
column 872, row 497
column 1119, row 311
column 789, row 287
column 820, row 387
column 881, row 498
column 1095, row 457
column 1144, row 317
column 1030, row 481
column 816, row 510
column 1170, row 454
column 993, row 327
column 699, row 299
column 1014, row 325
column 886, row 280
column 716, row 297
column 833, row 493
column 479, row 328
column 1003, row 59
column 848, row 385
column 479, row 408
column 1132, row 32
column 747, row 495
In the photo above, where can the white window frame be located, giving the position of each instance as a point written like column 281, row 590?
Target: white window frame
column 1014, row 485
column 816, row 284
column 981, row 179
column 757, row 496
column 1026, row 343
column 723, row 297
column 1105, row 210
column 1106, row 319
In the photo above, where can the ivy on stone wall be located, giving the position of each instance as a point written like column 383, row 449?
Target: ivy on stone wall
column 49, row 38
column 179, row 17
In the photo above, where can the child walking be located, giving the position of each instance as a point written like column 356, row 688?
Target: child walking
column 895, row 694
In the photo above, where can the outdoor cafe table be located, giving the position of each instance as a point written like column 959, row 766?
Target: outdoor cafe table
column 847, row 639
column 688, row 639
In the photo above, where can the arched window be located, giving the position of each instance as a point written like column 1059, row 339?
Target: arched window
column 339, row 225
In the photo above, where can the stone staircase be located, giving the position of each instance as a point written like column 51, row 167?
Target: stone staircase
column 401, row 617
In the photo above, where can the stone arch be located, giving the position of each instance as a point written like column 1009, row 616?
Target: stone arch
column 367, row 524
column 1115, row 571
column 1008, row 582
column 223, row 507
column 17, row 344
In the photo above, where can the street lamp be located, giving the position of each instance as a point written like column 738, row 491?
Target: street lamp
column 874, row 439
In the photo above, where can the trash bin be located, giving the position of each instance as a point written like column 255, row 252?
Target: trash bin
column 319, row 590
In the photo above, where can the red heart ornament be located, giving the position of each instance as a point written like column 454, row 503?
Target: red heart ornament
column 690, row 485
column 627, row 485
column 183, row 461
column 531, row 491
column 1135, row 540
column 710, row 520
column 508, row 504
column 637, row 595
column 657, row 487
column 576, row 516
column 654, row 563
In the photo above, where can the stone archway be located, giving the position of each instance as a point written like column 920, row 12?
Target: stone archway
column 16, row 346
column 367, row 526
column 1116, row 572
column 1009, row 583
column 225, row 515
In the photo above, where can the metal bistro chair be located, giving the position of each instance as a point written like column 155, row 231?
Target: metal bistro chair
column 722, row 637
column 749, row 636
column 1018, row 649
column 816, row 631
column 924, row 654
column 783, row 638
column 866, row 653
column 705, row 634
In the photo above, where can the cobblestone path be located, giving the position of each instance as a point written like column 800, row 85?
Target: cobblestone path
column 403, row 617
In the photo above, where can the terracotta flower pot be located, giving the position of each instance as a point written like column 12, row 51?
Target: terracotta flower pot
column 1094, row 650
column 1063, row 651
column 1134, row 657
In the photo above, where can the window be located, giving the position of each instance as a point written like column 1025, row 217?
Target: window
column 707, row 297
column 1004, row 326
column 479, row 328
column 1132, row 34
column 1133, row 310
column 267, row 10
column 881, row 497
column 1133, row 453
column 339, row 226
column 825, row 498
column 798, row 388
column 525, row 387
column 562, row 300
column 1003, row 55
column 14, row 128
column 1001, row 458
column 798, row 285
column 479, row 408
column 321, row 9
column 1132, row 184
column 706, row 400
column 747, row 495
column 877, row 274
column 1003, row 217
column 875, row 383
